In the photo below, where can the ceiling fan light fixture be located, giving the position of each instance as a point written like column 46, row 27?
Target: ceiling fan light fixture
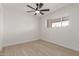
column 38, row 9
column 37, row 12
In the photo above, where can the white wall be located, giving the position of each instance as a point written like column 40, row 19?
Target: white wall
column 1, row 25
column 67, row 36
column 19, row 27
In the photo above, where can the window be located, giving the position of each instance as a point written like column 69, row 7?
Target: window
column 59, row 22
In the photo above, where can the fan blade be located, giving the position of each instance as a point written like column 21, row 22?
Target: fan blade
column 35, row 14
column 44, row 10
column 41, row 13
column 30, row 11
column 40, row 5
column 31, row 7
column 37, row 6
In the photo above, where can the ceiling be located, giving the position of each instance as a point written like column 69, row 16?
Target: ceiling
column 21, row 7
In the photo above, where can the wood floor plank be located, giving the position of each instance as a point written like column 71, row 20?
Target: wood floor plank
column 38, row 48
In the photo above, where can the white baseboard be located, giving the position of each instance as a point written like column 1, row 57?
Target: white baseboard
column 61, row 45
column 19, row 42
column 14, row 43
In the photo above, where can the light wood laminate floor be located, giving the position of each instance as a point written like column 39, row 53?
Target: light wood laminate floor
column 38, row 48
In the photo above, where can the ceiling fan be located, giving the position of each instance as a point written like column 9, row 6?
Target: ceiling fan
column 38, row 9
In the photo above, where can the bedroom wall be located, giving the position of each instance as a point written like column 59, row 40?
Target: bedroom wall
column 64, row 36
column 19, row 27
column 1, row 25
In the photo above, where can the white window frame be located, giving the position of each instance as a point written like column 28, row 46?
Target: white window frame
column 59, row 22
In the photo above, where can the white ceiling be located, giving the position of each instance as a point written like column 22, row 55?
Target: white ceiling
column 21, row 7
